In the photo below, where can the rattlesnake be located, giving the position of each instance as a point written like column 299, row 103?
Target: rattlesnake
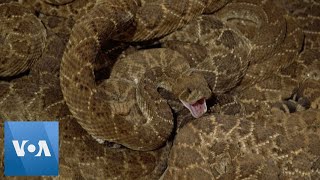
column 108, row 162
column 83, row 95
column 270, row 147
column 306, row 14
column 21, row 43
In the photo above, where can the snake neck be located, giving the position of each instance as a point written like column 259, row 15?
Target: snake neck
column 151, row 104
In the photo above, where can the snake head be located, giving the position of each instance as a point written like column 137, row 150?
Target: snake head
column 193, row 91
column 312, row 72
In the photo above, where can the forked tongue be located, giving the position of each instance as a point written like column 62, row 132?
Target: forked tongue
column 197, row 109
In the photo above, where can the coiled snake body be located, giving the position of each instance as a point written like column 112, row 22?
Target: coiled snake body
column 202, row 57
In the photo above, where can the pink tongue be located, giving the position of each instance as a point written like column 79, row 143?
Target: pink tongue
column 197, row 109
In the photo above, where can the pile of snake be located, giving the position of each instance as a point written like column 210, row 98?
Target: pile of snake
column 167, row 89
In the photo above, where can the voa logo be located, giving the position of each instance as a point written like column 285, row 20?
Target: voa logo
column 31, row 148
column 42, row 144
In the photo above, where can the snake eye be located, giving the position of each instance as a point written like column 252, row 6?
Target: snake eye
column 189, row 90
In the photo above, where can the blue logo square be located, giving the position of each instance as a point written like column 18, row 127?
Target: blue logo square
column 31, row 148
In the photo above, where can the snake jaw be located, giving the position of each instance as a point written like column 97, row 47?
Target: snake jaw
column 197, row 109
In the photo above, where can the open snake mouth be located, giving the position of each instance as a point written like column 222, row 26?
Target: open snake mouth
column 198, row 108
